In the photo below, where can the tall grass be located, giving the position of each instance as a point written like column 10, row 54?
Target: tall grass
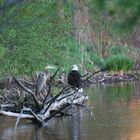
column 118, row 63
column 120, row 58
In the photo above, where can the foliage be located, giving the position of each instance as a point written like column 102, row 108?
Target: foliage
column 1, row 2
column 33, row 36
column 37, row 35
column 124, row 13
column 2, row 51
column 116, row 49
column 97, row 60
column 118, row 63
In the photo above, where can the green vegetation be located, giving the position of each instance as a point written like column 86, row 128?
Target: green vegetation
column 34, row 35
column 118, row 63
column 124, row 13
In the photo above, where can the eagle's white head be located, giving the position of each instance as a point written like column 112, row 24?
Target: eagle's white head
column 75, row 67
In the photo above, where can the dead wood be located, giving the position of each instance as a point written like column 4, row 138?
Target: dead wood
column 34, row 100
column 37, row 102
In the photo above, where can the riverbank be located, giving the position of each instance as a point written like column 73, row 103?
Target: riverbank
column 100, row 78
column 105, row 77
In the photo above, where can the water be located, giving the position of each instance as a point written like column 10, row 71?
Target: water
column 116, row 108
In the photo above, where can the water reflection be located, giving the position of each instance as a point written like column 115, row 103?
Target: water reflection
column 114, row 114
column 116, row 108
column 75, row 126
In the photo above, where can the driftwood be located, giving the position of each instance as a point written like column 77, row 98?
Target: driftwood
column 33, row 100
column 29, row 101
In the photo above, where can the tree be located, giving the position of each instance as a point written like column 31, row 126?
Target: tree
column 125, row 13
column 24, row 102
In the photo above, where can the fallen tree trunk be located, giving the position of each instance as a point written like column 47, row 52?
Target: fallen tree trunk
column 58, row 107
column 26, row 102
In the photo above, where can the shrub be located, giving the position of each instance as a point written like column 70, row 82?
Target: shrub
column 118, row 63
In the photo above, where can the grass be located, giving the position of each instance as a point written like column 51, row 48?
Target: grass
column 118, row 63
column 34, row 35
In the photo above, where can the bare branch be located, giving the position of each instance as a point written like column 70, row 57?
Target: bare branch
column 94, row 74
column 68, row 88
column 35, row 116
column 38, row 104
column 56, row 97
column 12, row 114
column 85, row 75
column 18, row 121
column 54, row 107
column 9, row 100
column 7, row 105
column 85, row 107
column 27, row 82
column 54, row 74
column 65, row 102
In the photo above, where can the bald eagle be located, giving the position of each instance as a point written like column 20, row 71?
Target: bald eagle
column 74, row 77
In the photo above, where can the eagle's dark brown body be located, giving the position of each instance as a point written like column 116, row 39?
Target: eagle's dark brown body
column 74, row 78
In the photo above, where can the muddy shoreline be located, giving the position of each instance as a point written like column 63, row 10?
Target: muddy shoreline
column 105, row 77
column 100, row 78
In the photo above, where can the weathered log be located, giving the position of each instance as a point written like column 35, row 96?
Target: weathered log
column 40, row 109
column 45, row 108
column 49, row 111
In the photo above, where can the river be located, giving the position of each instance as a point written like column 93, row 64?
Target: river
column 116, row 109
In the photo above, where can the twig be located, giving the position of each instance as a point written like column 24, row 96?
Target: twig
column 10, row 101
column 27, row 82
column 49, row 91
column 38, row 104
column 65, row 96
column 93, row 74
column 51, row 101
column 18, row 121
column 85, row 75
column 85, row 107
column 12, row 114
column 31, row 111
column 66, row 89
column 55, row 97
column 7, row 105
column 54, row 74
column 54, row 113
